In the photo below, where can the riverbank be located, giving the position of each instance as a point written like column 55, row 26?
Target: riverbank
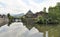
column 53, row 30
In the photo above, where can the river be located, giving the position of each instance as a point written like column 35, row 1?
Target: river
column 17, row 29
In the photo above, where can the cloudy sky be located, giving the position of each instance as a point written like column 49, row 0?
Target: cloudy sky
column 22, row 6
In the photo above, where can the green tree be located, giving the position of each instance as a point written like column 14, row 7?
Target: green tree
column 10, row 18
column 40, row 20
column 44, row 9
column 54, row 12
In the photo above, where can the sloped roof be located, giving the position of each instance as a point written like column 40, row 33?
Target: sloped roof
column 29, row 12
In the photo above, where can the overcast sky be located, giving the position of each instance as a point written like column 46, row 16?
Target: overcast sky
column 22, row 6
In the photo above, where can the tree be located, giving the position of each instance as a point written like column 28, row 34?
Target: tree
column 40, row 20
column 54, row 12
column 44, row 9
column 10, row 18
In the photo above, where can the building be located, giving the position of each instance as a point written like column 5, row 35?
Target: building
column 3, row 20
column 41, row 13
column 30, row 17
column 29, row 14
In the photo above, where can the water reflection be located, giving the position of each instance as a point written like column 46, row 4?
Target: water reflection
column 17, row 29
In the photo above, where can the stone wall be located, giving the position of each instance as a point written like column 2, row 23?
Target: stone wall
column 3, row 21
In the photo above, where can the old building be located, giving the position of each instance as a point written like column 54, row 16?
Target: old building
column 29, row 14
column 43, row 14
column 3, row 20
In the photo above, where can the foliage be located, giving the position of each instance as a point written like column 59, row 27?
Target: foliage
column 53, row 13
column 40, row 20
column 53, row 16
column 10, row 18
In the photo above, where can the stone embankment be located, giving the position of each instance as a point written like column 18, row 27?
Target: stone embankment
column 3, row 21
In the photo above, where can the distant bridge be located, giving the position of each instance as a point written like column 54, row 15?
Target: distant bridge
column 16, row 20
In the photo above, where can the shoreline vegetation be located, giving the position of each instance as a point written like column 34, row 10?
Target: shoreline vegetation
column 42, row 20
column 42, row 17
